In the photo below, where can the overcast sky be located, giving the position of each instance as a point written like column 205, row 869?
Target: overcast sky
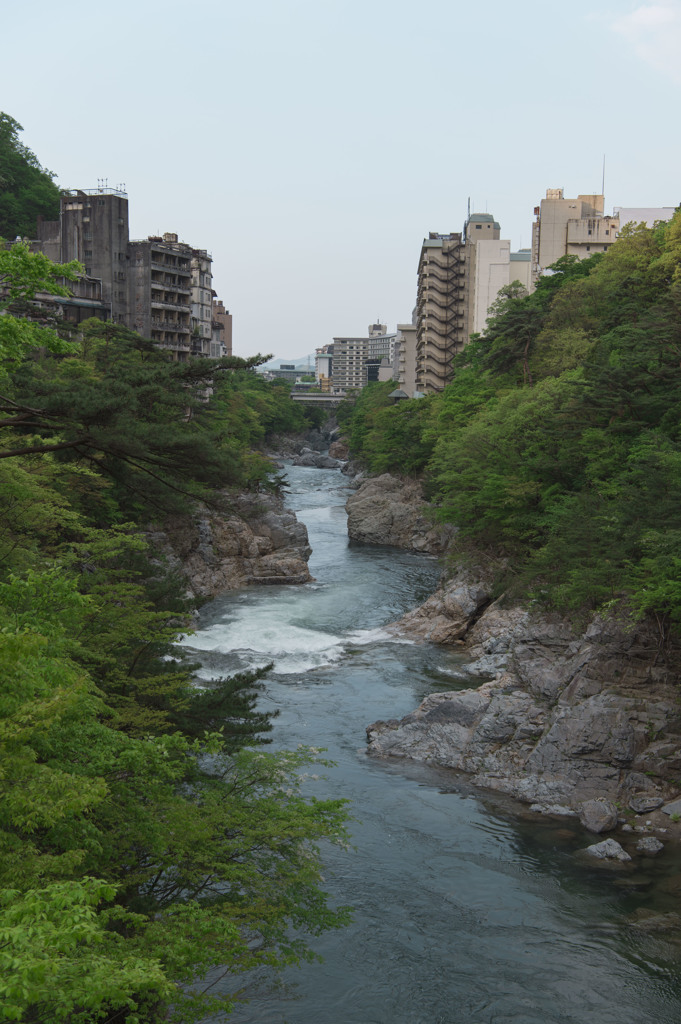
column 310, row 145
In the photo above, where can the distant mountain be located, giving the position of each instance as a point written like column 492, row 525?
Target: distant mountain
column 300, row 364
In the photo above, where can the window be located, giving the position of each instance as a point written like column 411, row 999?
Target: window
column 588, row 248
column 88, row 254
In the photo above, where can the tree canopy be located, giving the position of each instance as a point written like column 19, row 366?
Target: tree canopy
column 558, row 441
column 27, row 190
column 146, row 837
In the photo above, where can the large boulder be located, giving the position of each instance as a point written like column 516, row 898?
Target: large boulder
column 391, row 510
column 319, row 460
column 255, row 540
column 609, row 849
column 598, row 815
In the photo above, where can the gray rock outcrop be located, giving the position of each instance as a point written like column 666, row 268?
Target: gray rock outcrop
column 553, row 715
column 598, row 815
column 256, row 541
column 650, row 846
column 391, row 510
column 319, row 460
column 609, row 849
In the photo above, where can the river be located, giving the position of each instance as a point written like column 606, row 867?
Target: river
column 467, row 910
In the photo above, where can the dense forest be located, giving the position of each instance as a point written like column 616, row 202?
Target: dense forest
column 557, row 446
column 146, row 836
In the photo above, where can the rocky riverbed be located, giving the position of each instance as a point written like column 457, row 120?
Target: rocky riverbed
column 556, row 715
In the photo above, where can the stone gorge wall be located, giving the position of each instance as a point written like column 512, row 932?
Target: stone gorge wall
column 391, row 510
column 256, row 541
column 554, row 715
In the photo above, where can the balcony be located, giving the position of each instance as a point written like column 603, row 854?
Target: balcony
column 169, row 325
column 180, row 307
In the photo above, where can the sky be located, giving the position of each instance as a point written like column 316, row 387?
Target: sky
column 311, row 145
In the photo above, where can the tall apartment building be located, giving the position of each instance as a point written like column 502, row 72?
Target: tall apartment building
column 406, row 358
column 202, row 301
column 356, row 360
column 490, row 266
column 161, row 293
column 440, row 309
column 157, row 286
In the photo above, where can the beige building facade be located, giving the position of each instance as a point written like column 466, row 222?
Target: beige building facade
column 569, row 227
column 440, row 309
column 406, row 358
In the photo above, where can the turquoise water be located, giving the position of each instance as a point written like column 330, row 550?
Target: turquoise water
column 467, row 909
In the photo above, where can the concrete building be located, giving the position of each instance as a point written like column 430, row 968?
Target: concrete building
column 406, row 358
column 161, row 293
column 93, row 228
column 440, row 309
column 356, row 361
column 201, row 302
column 648, row 215
column 221, row 344
column 323, row 366
column 575, row 227
column 157, row 286
column 349, row 357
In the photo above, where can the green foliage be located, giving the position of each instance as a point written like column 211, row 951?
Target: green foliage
column 388, row 436
column 141, row 846
column 558, row 441
column 22, row 275
column 27, row 191
column 572, row 464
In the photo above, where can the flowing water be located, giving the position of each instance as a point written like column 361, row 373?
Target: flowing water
column 466, row 909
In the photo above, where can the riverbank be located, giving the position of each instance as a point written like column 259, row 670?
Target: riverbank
column 253, row 540
column 555, row 715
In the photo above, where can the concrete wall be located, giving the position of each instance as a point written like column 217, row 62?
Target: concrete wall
column 94, row 230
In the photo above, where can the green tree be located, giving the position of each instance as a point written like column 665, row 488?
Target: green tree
column 27, row 191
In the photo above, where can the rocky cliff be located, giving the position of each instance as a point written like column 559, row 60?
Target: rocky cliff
column 391, row 510
column 554, row 715
column 256, row 541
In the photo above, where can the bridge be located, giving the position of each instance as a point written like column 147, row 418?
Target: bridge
column 325, row 400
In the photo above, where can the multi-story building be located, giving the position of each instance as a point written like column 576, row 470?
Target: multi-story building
column 202, row 302
column 569, row 227
column 406, row 358
column 356, row 361
column 157, row 286
column 222, row 330
column 93, row 228
column 440, row 309
column 323, row 366
column 161, row 292
column 490, row 266
column 349, row 357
